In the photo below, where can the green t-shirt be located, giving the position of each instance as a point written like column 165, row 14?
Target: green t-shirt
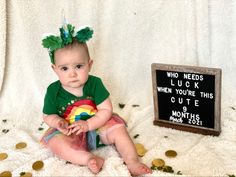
column 57, row 99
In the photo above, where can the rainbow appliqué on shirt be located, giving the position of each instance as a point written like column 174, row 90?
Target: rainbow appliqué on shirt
column 80, row 110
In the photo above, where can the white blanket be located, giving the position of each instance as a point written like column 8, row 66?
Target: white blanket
column 128, row 37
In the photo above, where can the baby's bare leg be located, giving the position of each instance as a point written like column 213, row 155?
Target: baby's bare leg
column 125, row 146
column 63, row 148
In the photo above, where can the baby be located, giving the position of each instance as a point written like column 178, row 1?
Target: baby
column 77, row 107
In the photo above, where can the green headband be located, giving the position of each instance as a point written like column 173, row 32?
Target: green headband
column 52, row 42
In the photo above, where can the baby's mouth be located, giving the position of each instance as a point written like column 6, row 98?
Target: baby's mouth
column 76, row 80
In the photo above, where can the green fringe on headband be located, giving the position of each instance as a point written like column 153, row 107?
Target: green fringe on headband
column 52, row 43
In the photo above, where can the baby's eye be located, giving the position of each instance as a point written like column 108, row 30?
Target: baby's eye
column 78, row 66
column 64, row 68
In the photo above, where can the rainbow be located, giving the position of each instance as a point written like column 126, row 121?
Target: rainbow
column 80, row 110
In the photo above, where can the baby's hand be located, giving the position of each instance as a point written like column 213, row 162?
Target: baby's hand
column 78, row 127
column 63, row 127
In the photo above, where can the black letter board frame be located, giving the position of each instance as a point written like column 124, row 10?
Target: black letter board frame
column 192, row 71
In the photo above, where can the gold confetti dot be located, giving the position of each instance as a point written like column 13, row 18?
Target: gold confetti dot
column 6, row 174
column 3, row 156
column 21, row 145
column 140, row 149
column 171, row 153
column 158, row 162
column 38, row 165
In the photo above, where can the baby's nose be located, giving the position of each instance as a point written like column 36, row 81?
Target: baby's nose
column 72, row 73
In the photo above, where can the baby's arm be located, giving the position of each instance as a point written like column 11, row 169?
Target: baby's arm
column 102, row 116
column 99, row 119
column 57, row 122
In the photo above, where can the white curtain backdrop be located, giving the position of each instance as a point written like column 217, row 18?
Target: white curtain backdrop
column 129, row 36
column 3, row 39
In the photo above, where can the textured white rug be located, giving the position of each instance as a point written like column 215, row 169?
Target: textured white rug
column 198, row 155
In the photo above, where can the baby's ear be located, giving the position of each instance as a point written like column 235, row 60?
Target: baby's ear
column 90, row 64
column 53, row 67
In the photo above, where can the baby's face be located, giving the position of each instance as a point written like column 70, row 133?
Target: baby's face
column 72, row 66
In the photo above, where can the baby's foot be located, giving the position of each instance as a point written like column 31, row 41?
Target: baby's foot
column 138, row 168
column 95, row 164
